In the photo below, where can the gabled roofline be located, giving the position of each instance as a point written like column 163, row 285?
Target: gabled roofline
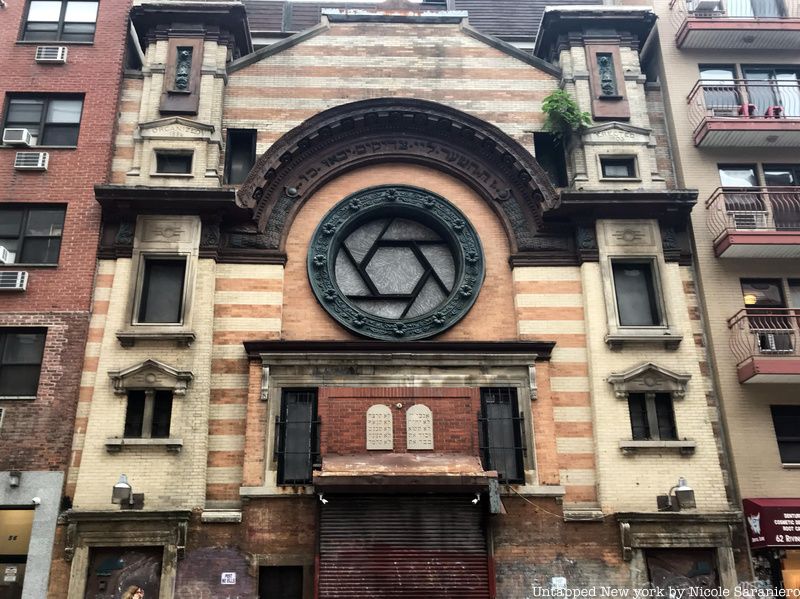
column 280, row 46
column 328, row 17
column 506, row 48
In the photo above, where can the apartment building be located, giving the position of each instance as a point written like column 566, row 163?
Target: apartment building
column 61, row 75
column 364, row 327
column 731, row 76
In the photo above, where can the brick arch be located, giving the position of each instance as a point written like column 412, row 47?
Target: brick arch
column 368, row 132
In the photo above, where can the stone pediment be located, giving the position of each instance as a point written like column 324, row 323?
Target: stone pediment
column 615, row 133
column 150, row 374
column 174, row 127
column 649, row 377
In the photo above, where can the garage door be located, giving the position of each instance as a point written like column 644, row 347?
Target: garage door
column 402, row 547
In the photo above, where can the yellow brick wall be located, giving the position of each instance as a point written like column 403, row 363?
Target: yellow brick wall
column 745, row 408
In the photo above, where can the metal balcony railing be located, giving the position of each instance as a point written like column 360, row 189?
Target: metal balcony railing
column 744, row 100
column 770, row 332
column 731, row 9
column 753, row 209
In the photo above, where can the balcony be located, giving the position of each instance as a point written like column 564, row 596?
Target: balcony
column 755, row 222
column 764, row 343
column 745, row 113
column 736, row 24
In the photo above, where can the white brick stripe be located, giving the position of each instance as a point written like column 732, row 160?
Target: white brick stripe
column 569, row 383
column 225, row 442
column 549, row 300
column 574, row 445
column 550, row 327
column 576, row 476
column 235, row 271
column 546, row 274
column 254, row 298
column 223, row 474
column 572, row 414
column 227, row 412
column 229, row 381
column 569, row 354
column 229, row 351
column 247, row 324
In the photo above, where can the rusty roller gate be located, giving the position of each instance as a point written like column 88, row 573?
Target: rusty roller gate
column 403, row 547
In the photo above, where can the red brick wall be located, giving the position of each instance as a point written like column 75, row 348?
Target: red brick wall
column 343, row 414
column 37, row 434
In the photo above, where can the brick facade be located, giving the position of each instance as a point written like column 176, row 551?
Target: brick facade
column 257, row 327
column 59, row 298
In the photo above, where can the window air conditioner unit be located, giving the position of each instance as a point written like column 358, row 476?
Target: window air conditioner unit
column 749, row 220
column 5, row 255
column 31, row 161
column 13, row 280
column 51, row 54
column 706, row 5
column 17, row 137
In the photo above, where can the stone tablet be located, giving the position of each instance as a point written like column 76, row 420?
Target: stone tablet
column 380, row 433
column 419, row 427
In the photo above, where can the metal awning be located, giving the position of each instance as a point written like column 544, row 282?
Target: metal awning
column 385, row 472
column 772, row 522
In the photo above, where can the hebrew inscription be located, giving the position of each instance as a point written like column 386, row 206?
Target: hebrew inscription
column 379, row 427
column 419, row 427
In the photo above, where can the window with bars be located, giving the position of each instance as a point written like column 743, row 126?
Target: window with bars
column 652, row 416
column 51, row 120
column 32, row 235
column 786, row 420
column 21, row 354
column 60, row 20
column 148, row 414
column 297, row 436
column 502, row 436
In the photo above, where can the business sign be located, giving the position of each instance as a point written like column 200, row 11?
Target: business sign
column 772, row 522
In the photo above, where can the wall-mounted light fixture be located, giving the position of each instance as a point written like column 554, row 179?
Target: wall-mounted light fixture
column 123, row 494
column 14, row 478
column 682, row 499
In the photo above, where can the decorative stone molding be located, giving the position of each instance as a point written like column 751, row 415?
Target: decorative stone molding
column 497, row 167
column 174, row 127
column 684, row 446
column 328, row 256
column 649, row 377
column 117, row 444
column 150, row 374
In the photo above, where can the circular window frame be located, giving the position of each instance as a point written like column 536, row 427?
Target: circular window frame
column 415, row 204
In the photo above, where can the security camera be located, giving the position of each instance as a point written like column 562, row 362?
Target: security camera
column 36, row 501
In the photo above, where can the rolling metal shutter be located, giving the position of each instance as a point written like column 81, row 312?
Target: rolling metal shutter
column 402, row 547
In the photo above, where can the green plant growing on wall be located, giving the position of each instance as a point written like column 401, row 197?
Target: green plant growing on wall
column 564, row 116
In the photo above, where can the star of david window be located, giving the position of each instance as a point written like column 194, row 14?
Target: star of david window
column 395, row 263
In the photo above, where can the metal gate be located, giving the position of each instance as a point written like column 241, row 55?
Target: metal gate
column 402, row 547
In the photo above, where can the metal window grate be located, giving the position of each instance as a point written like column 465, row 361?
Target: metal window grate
column 297, row 437
column 501, row 431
